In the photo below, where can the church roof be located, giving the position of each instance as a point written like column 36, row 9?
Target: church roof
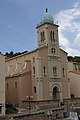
column 47, row 17
column 75, row 72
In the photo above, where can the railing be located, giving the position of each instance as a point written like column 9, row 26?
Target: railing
column 48, row 114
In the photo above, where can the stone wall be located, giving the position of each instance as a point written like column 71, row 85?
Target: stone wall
column 73, row 101
column 40, row 105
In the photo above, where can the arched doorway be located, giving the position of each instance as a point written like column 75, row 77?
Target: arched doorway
column 56, row 93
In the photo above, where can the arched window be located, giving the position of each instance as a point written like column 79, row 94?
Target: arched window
column 54, row 70
column 33, row 70
column 33, row 59
column 34, row 89
column 51, row 50
column 54, row 50
column 7, row 85
column 42, row 36
column 1, row 110
column 44, row 69
column 15, row 84
column 51, row 36
column 63, row 71
column 55, row 93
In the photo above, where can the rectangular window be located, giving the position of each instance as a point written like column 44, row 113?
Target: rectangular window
column 15, row 84
column 75, row 67
column 42, row 36
column 72, row 96
column 63, row 72
column 33, row 59
column 33, row 70
column 44, row 71
column 54, row 70
column 7, row 86
column 34, row 89
column 0, row 109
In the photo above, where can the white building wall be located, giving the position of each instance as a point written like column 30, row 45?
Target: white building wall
column 2, row 84
column 74, row 84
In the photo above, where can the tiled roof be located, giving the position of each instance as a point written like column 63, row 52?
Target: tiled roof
column 76, row 72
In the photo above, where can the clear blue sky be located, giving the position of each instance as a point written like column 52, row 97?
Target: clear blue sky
column 18, row 20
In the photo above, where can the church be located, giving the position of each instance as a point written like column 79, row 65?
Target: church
column 42, row 72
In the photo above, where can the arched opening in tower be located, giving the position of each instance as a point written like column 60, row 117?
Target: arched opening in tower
column 56, row 93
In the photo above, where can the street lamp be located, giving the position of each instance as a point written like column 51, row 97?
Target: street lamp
column 49, row 114
column 29, row 98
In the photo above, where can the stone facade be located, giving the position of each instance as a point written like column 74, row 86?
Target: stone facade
column 41, row 73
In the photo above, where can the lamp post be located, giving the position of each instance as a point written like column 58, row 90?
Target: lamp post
column 29, row 98
column 49, row 114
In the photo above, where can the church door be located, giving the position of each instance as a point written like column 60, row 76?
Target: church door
column 55, row 93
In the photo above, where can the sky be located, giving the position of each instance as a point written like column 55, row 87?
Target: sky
column 19, row 18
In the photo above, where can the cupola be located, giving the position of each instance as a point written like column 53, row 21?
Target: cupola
column 47, row 18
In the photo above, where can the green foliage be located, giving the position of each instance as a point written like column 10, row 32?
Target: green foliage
column 70, row 58
column 77, row 59
column 74, row 59
column 10, row 108
column 10, row 111
column 12, row 54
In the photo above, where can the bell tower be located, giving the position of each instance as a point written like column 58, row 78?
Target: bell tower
column 47, row 32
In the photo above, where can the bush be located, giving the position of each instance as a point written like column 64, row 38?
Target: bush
column 10, row 108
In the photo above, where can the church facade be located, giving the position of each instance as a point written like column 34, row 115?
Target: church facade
column 41, row 73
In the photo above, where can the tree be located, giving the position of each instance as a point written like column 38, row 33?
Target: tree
column 12, row 54
column 70, row 58
column 74, row 59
